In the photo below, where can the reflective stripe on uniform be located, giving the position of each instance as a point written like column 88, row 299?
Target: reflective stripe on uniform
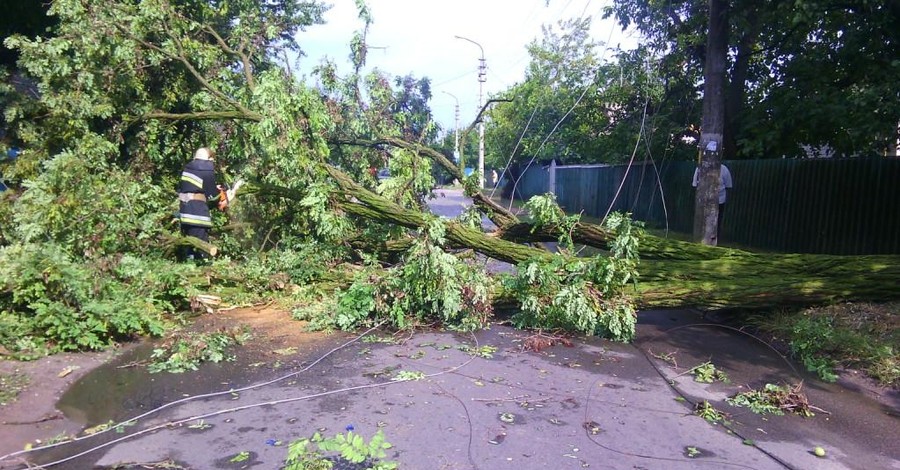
column 192, row 219
column 187, row 197
column 191, row 178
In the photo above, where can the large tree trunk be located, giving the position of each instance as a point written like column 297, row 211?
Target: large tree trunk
column 706, row 208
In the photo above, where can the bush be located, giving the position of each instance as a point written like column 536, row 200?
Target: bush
column 52, row 302
column 90, row 208
column 860, row 335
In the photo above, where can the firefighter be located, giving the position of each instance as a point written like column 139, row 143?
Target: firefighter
column 197, row 192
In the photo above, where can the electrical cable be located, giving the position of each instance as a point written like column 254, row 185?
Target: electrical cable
column 737, row 330
column 659, row 185
column 630, row 162
column 468, row 420
column 547, row 138
column 589, row 399
column 178, row 422
column 649, row 457
column 552, row 131
column 511, row 155
column 687, row 399
column 191, row 398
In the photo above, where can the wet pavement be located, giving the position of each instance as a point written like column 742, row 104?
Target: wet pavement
column 595, row 404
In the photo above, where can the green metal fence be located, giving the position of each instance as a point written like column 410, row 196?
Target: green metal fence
column 839, row 206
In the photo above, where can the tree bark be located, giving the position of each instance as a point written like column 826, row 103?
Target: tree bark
column 178, row 240
column 706, row 208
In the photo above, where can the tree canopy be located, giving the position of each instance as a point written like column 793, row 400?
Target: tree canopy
column 801, row 75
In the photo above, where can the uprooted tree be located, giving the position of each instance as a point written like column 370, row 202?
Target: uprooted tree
column 128, row 90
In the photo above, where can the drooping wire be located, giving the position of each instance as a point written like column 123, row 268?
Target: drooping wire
column 590, row 437
column 249, row 406
column 191, row 398
column 512, row 154
column 556, row 126
column 687, row 399
column 630, row 163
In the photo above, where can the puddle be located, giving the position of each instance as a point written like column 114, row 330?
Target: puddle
column 123, row 388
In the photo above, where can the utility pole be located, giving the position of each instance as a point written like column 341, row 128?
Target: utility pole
column 482, row 77
column 456, row 154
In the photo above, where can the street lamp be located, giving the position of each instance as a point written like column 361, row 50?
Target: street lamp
column 456, row 131
column 482, row 77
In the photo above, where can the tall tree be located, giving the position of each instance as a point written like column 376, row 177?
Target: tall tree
column 556, row 104
column 814, row 72
column 713, row 130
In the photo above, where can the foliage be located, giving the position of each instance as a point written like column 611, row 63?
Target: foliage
column 546, row 213
column 708, row 412
column 581, row 294
column 185, row 351
column 408, row 375
column 350, row 447
column 485, row 352
column 576, row 105
column 84, row 235
column 354, row 305
column 90, row 207
column 848, row 335
column 773, row 399
column 294, row 261
column 428, row 286
column 53, row 303
column 781, row 65
column 709, row 373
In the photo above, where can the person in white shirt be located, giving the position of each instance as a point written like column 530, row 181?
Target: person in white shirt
column 725, row 184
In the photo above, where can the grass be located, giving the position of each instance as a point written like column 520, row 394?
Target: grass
column 11, row 384
column 864, row 336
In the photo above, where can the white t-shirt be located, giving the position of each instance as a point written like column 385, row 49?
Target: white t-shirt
column 724, row 182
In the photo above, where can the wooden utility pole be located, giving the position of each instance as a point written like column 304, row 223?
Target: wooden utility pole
column 706, row 209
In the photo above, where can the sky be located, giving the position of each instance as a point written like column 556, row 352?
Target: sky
column 418, row 37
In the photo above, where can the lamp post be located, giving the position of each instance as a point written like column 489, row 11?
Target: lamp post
column 482, row 77
column 456, row 131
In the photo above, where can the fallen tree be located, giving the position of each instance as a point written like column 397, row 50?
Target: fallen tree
column 672, row 273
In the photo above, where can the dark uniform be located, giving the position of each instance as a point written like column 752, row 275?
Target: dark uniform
column 196, row 191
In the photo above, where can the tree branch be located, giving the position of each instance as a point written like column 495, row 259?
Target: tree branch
column 202, row 115
column 495, row 212
column 245, row 59
column 181, row 57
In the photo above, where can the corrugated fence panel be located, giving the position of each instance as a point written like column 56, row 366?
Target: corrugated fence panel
column 840, row 206
column 535, row 181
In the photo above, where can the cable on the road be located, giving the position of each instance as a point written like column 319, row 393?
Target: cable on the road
column 687, row 399
column 179, row 422
column 590, row 437
column 191, row 398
